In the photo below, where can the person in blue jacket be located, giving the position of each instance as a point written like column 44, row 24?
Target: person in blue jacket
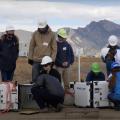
column 95, row 74
column 114, row 85
column 64, row 58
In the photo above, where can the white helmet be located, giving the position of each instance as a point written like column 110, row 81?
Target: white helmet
column 42, row 23
column 113, row 40
column 9, row 28
column 46, row 60
column 104, row 52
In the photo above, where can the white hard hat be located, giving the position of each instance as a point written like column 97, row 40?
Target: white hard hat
column 9, row 28
column 113, row 40
column 42, row 23
column 46, row 60
column 104, row 51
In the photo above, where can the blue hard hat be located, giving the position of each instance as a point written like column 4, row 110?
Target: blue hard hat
column 115, row 65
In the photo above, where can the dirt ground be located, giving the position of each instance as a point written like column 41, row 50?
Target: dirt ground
column 23, row 75
column 23, row 69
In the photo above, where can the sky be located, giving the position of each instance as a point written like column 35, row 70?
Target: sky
column 25, row 14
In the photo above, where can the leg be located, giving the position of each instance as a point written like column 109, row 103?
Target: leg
column 108, row 67
column 4, row 75
column 39, row 94
column 36, row 71
column 66, row 77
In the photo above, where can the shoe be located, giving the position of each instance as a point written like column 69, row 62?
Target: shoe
column 59, row 107
column 44, row 110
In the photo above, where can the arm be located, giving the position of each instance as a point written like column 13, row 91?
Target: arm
column 17, row 44
column 71, row 55
column 31, row 48
column 53, row 47
column 89, row 77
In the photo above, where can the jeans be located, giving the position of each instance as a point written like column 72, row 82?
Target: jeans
column 43, row 97
column 36, row 68
column 108, row 67
column 7, row 75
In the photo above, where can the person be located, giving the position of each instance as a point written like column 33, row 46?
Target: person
column 64, row 58
column 47, row 64
column 108, row 53
column 114, row 85
column 43, row 43
column 47, row 89
column 9, row 50
column 95, row 74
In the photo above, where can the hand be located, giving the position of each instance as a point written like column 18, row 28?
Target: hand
column 65, row 64
column 30, row 61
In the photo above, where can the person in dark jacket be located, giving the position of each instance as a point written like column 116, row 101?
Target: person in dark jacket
column 47, row 89
column 9, row 49
column 95, row 74
column 114, row 85
column 64, row 58
column 108, row 53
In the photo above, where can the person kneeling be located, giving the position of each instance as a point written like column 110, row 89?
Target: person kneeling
column 114, row 85
column 95, row 73
column 47, row 89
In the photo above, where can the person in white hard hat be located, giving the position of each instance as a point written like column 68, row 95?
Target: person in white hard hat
column 47, row 88
column 47, row 64
column 108, row 53
column 9, row 50
column 43, row 43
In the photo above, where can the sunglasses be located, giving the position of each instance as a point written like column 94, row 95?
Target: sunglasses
column 46, row 65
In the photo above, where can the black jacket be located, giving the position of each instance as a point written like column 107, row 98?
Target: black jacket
column 91, row 76
column 9, row 49
column 50, row 83
column 53, row 72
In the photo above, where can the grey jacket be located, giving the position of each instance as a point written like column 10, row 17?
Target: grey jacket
column 50, row 83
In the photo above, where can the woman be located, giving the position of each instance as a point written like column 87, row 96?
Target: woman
column 9, row 49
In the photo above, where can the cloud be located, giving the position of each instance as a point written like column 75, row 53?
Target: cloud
column 26, row 13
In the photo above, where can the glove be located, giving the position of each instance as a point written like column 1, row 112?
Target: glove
column 30, row 61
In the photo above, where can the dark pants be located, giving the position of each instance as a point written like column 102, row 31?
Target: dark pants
column 7, row 75
column 36, row 68
column 43, row 97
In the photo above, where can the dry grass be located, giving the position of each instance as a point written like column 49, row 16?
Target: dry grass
column 23, row 69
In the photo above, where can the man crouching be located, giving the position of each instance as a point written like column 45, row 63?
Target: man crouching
column 47, row 89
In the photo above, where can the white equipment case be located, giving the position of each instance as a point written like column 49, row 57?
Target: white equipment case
column 88, row 94
column 100, row 93
column 82, row 94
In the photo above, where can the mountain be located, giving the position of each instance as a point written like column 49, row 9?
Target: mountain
column 94, row 36
column 88, row 40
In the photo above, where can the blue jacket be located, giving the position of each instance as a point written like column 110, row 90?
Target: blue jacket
column 91, row 76
column 115, row 93
column 64, row 54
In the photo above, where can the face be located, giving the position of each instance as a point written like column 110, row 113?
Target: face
column 47, row 67
column 11, row 32
column 43, row 30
